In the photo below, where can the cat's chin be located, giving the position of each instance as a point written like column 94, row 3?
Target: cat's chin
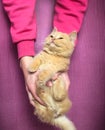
column 52, row 44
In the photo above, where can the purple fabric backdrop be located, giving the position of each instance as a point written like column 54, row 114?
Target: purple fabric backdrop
column 87, row 72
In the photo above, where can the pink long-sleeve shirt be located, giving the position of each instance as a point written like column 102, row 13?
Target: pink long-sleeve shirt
column 68, row 16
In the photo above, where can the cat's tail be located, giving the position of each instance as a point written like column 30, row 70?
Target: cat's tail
column 63, row 123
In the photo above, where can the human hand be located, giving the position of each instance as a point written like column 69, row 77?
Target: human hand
column 64, row 76
column 30, row 79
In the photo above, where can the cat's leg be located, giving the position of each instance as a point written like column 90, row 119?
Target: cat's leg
column 63, row 106
column 59, row 89
column 44, row 76
column 34, row 66
column 45, row 95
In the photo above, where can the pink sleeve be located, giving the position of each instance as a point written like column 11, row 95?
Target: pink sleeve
column 69, row 14
column 21, row 14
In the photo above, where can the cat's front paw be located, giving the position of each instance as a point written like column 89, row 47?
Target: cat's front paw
column 43, row 77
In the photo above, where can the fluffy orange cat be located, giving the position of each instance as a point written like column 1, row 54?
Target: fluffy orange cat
column 54, row 58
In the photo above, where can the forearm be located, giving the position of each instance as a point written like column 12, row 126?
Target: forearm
column 23, row 24
column 69, row 14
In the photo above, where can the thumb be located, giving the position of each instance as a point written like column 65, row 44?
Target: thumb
column 56, row 76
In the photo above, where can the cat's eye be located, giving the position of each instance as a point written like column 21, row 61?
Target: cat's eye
column 60, row 37
column 51, row 36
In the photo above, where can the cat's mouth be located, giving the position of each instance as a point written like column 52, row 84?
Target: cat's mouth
column 52, row 44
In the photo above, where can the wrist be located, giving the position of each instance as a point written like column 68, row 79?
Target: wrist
column 25, row 62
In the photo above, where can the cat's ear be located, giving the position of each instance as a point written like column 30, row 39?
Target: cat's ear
column 73, row 36
column 55, row 29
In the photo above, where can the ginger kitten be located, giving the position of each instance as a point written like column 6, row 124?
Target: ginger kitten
column 55, row 57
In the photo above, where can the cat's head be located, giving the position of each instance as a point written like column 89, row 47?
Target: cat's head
column 61, row 44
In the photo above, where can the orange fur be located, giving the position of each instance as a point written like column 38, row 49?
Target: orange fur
column 55, row 57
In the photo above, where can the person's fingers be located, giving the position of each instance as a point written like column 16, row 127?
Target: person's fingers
column 31, row 87
column 64, row 76
column 66, row 79
column 33, row 96
column 39, row 100
column 31, row 99
column 56, row 76
column 50, row 82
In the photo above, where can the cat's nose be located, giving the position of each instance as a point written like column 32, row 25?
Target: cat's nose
column 53, row 39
